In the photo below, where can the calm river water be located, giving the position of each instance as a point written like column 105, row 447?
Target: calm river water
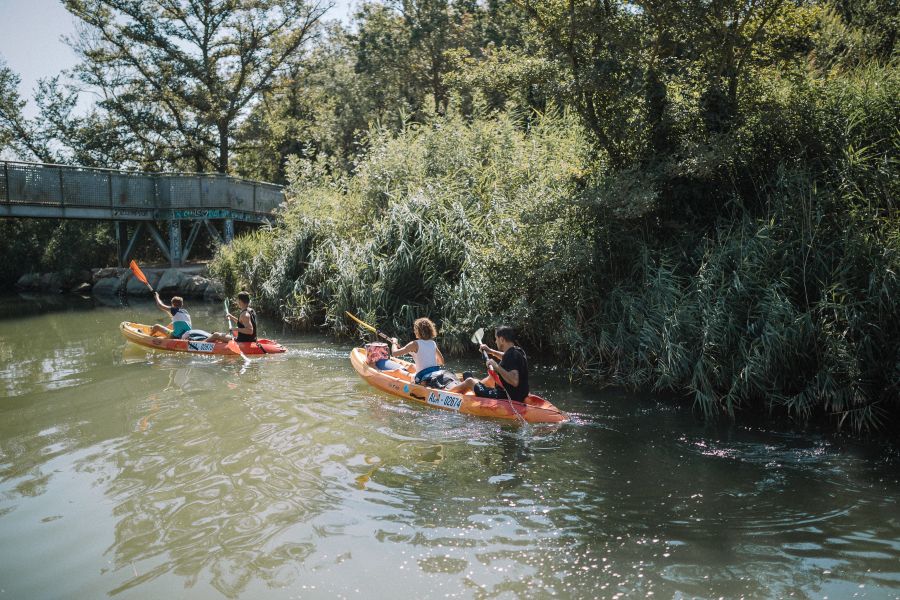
column 136, row 474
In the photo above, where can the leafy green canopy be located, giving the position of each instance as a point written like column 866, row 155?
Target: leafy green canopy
column 785, row 305
column 178, row 77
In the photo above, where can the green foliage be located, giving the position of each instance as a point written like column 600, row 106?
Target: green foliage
column 397, row 63
column 41, row 246
column 418, row 229
column 785, row 303
column 179, row 76
column 792, row 311
column 691, row 195
column 10, row 105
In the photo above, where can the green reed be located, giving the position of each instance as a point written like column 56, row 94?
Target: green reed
column 763, row 278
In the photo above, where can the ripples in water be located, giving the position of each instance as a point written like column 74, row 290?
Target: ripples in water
column 289, row 476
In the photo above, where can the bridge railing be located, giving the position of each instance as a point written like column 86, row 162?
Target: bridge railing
column 82, row 187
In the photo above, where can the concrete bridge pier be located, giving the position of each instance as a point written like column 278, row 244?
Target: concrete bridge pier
column 229, row 230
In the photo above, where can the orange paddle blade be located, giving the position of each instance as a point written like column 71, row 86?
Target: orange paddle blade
column 233, row 346
column 139, row 274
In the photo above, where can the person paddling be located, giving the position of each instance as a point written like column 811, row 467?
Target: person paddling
column 512, row 369
column 181, row 320
column 426, row 354
column 246, row 323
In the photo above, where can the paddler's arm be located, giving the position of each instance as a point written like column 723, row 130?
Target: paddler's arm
column 160, row 305
column 244, row 326
column 410, row 347
column 440, row 357
column 511, row 377
column 490, row 351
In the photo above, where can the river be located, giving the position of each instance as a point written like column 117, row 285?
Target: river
column 138, row 474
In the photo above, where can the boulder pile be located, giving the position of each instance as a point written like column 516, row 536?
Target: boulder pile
column 117, row 281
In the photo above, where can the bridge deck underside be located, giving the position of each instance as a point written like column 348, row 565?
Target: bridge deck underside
column 32, row 190
column 49, row 211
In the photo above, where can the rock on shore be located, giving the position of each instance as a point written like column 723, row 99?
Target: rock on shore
column 112, row 281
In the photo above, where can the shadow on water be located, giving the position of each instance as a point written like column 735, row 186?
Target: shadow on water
column 17, row 306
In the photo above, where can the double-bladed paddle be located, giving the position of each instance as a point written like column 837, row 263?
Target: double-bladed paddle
column 365, row 325
column 232, row 345
column 476, row 339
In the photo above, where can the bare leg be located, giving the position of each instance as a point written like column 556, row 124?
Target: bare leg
column 218, row 337
column 465, row 386
column 160, row 330
column 462, row 387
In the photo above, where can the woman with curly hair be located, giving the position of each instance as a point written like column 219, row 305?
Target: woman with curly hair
column 426, row 355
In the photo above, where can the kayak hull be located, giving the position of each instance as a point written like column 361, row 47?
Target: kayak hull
column 400, row 383
column 139, row 333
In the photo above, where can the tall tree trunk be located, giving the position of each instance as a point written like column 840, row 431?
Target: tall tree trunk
column 656, row 96
column 222, row 167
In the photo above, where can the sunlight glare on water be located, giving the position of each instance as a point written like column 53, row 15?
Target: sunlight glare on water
column 139, row 474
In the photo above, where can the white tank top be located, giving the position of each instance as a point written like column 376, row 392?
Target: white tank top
column 179, row 314
column 426, row 356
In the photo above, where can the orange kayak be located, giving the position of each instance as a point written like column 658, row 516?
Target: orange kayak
column 399, row 382
column 140, row 334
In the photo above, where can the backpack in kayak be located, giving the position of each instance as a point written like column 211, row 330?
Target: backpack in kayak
column 376, row 351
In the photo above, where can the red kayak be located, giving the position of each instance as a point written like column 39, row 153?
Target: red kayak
column 140, row 334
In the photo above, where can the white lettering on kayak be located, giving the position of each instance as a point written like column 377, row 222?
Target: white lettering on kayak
column 201, row 346
column 444, row 400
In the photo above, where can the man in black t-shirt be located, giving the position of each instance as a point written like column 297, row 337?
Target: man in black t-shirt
column 512, row 369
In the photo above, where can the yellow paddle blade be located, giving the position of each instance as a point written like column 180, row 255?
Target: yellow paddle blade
column 360, row 321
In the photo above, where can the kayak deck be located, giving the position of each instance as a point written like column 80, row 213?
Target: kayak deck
column 400, row 383
column 139, row 333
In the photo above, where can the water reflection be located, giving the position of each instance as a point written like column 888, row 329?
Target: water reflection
column 135, row 473
column 212, row 483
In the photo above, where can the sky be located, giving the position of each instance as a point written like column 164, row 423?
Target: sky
column 31, row 33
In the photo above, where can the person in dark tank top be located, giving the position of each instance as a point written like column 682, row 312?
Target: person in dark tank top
column 245, row 323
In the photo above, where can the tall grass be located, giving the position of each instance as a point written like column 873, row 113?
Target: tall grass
column 763, row 282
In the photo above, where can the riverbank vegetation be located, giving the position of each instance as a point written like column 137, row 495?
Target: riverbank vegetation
column 719, row 222
column 690, row 196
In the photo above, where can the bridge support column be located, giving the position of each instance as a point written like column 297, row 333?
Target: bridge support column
column 121, row 231
column 124, row 244
column 229, row 230
column 175, row 243
column 192, row 237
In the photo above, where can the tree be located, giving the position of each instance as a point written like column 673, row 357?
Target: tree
column 391, row 67
column 599, row 44
column 179, row 75
column 17, row 134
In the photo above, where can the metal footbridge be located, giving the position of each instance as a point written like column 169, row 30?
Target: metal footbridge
column 138, row 201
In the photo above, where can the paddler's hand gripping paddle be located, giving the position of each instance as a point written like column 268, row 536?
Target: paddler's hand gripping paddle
column 476, row 339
